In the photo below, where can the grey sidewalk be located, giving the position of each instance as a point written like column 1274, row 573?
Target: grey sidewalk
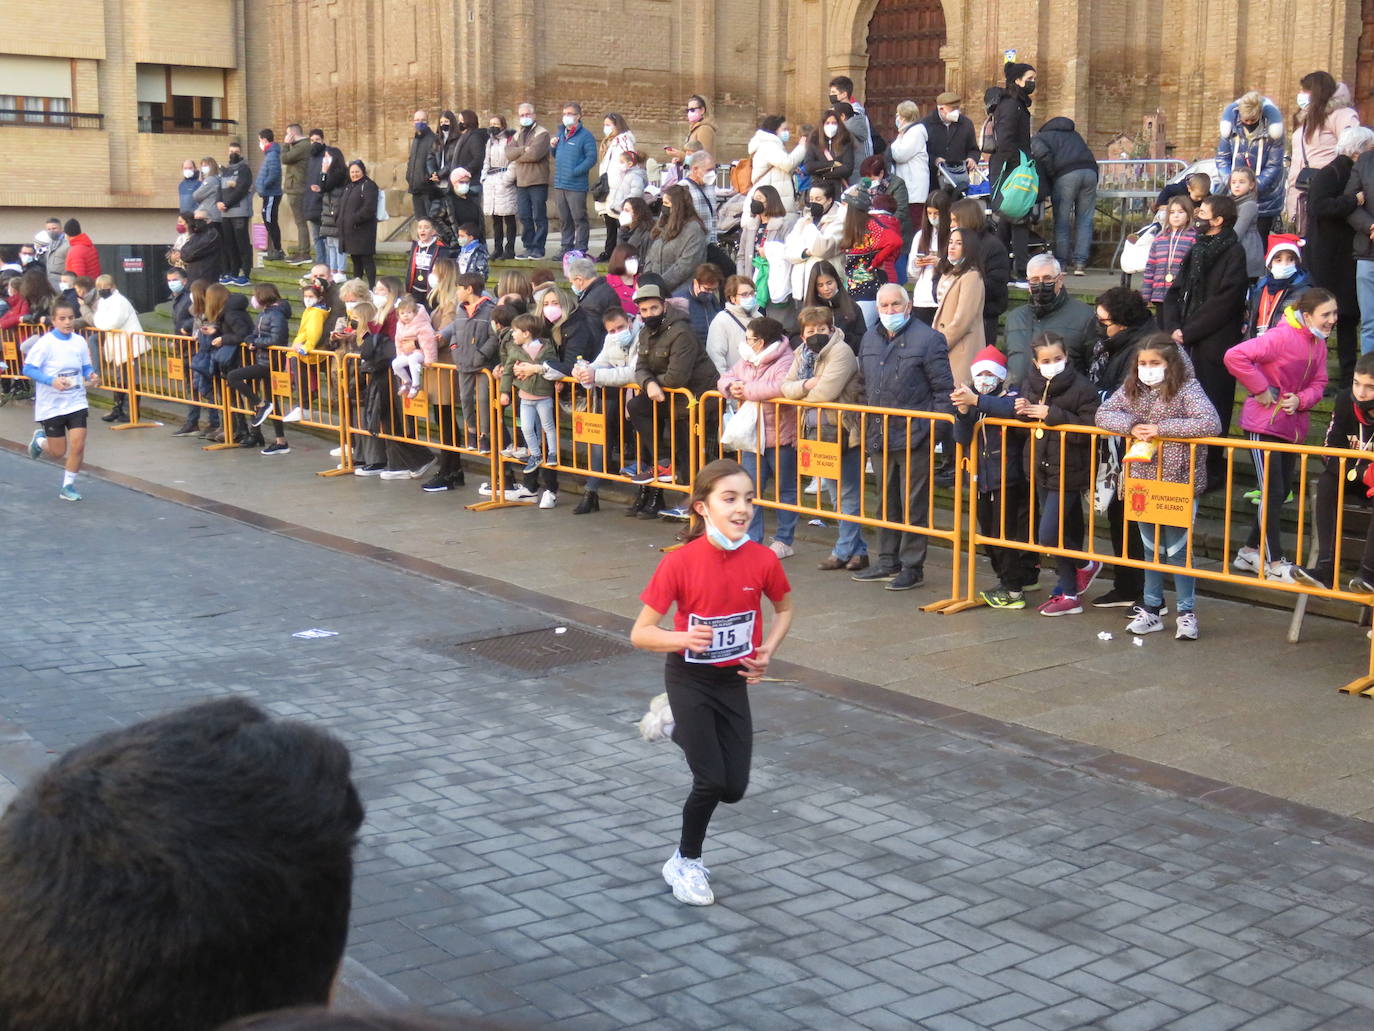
column 1240, row 705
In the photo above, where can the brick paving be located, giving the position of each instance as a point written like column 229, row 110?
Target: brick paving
column 881, row 873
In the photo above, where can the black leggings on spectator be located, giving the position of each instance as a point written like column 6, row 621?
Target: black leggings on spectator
column 713, row 727
column 1274, row 492
column 242, row 381
column 365, row 267
column 504, row 234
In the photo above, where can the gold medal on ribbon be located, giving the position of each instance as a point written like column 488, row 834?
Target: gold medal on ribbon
column 1351, row 475
column 1039, row 433
column 1168, row 277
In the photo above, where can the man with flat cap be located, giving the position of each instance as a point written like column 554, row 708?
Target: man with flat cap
column 952, row 142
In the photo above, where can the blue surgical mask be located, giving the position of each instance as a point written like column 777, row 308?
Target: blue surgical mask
column 748, row 303
column 785, row 135
column 893, row 321
column 719, row 539
column 1320, row 334
column 620, row 338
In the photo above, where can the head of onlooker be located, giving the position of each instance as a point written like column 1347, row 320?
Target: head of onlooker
column 1199, row 186
column 1121, row 308
column 959, row 256
column 841, row 90
column 1179, row 214
column 572, row 116
column 66, row 283
column 514, row 282
column 176, row 282
column 140, row 893
column 28, row 254
column 908, row 113
column 71, row 228
column 84, row 287
column 894, row 308
column 1045, row 282
column 540, row 276
column 740, row 294
column 1215, row 213
column 949, row 105
column 53, row 227
column 104, row 285
column 1354, row 141
column 581, row 274
column 701, row 168
column 624, row 261
column 635, row 214
column 831, row 134
column 525, row 114
column 1242, row 182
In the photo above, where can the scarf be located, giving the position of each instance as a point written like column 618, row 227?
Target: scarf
column 1206, row 250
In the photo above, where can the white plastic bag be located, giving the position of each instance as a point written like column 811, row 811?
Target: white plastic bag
column 657, row 724
column 741, row 431
column 382, row 215
column 1135, row 255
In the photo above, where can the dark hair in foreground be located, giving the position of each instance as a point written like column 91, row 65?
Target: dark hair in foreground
column 313, row 1019
column 178, row 873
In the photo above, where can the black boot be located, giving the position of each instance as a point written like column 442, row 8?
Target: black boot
column 641, row 499
column 116, row 414
column 651, row 507
column 589, row 503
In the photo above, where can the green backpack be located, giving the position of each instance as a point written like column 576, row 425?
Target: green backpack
column 1018, row 189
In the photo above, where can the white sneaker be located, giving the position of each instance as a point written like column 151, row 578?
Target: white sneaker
column 1163, row 611
column 688, row 879
column 292, row 416
column 520, row 493
column 415, row 474
column 1247, row 560
column 338, row 452
column 548, row 499
column 395, row 474
column 1187, row 627
column 781, row 550
column 1145, row 622
column 485, row 489
column 1280, row 571
column 339, row 277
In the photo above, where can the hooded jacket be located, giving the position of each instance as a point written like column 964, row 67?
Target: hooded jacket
column 1290, row 359
column 1188, row 413
column 295, row 158
column 475, row 345
column 1259, row 149
column 271, row 331
column 417, row 174
column 202, row 254
column 1058, row 149
column 236, row 189
column 1072, row 401
column 268, row 181
column 673, row 357
column 82, row 259
column 762, row 381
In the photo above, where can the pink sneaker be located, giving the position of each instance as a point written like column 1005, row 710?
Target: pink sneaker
column 1087, row 575
column 1061, row 605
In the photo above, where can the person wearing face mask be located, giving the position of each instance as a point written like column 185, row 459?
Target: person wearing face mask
column 825, row 289
column 815, row 237
column 727, row 329
column 1054, row 393
column 206, row 196
column 325, row 174
column 499, row 199
column 605, row 379
column 700, row 130
column 181, row 301
column 236, row 202
column 1284, row 373
column 1329, row 251
column 764, row 360
column 903, row 363
column 295, row 159
column 270, row 330
column 1051, row 309
column 1324, row 112
column 760, row 256
column 636, row 226
column 630, row 185
column 573, row 332
column 474, row 347
column 1161, row 398
column 951, row 142
column 622, row 275
column 700, row 182
column 574, row 156
column 830, row 152
column 120, row 333
column 841, row 91
column 267, row 185
column 1284, row 281
column 1003, row 504
column 470, row 253
column 595, row 295
column 909, row 154
column 202, row 253
column 1009, row 107
column 1342, row 482
column 704, row 298
column 824, row 370
column 959, row 317
column 869, row 247
column 186, row 189
column 528, row 153
column 857, row 127
column 358, row 221
column 1168, row 250
column 1252, row 137
column 418, row 183
column 771, row 162
column 616, row 142
column 678, row 242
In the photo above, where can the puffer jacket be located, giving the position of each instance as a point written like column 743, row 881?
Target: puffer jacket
column 573, row 157
column 836, row 372
column 1259, row 149
column 268, row 181
column 615, row 365
column 808, row 243
column 995, row 440
column 1059, row 149
column 1187, row 414
column 116, row 318
column 474, row 342
column 632, row 183
column 772, row 165
column 762, row 379
column 673, row 357
column 908, row 369
column 82, row 258
column 1073, row 401
column 910, row 157
column 498, row 179
column 1292, row 360
column 270, row 331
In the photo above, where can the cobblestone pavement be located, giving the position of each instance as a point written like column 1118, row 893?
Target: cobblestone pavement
column 881, row 873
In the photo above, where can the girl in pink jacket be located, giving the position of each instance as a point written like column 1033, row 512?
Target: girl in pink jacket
column 1284, row 372
column 416, row 345
column 764, row 360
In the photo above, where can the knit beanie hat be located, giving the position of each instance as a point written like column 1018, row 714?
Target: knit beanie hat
column 1013, row 70
column 1284, row 242
column 989, row 359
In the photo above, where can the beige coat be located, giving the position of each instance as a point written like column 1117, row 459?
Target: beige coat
column 528, row 154
column 837, row 379
column 960, row 318
column 704, row 132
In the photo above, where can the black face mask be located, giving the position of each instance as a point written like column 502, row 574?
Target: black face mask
column 234, row 155
column 444, row 127
column 1042, row 297
column 816, row 341
column 652, row 322
column 1366, row 408
column 756, row 207
column 1029, row 87
column 317, row 149
column 105, row 293
column 816, row 210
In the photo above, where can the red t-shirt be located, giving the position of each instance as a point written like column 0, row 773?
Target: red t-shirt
column 724, row 588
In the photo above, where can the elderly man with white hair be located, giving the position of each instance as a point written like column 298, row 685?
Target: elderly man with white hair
column 1051, row 309
column 903, row 363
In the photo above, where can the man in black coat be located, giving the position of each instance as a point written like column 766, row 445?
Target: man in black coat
column 417, row 175
column 951, row 140
column 324, row 181
column 1068, row 172
column 1205, row 311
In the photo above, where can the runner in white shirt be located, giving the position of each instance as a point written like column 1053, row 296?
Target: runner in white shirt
column 59, row 363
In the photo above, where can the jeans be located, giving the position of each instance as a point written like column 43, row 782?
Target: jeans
column 850, row 542
column 333, row 254
column 318, row 242
column 1075, row 199
column 1173, row 541
column 475, row 397
column 532, row 206
column 536, row 423
column 572, row 219
column 1364, row 290
column 779, row 463
column 1048, row 534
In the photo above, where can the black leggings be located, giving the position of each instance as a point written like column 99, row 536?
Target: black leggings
column 365, row 267
column 712, row 726
column 503, row 232
column 612, row 224
column 1282, row 466
column 242, row 380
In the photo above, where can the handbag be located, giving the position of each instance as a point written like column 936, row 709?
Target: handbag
column 601, row 189
column 741, row 430
column 1107, row 484
column 1303, row 182
column 761, row 280
column 382, row 214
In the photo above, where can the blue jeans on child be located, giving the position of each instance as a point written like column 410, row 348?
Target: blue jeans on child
column 779, row 462
column 536, row 423
column 1173, row 551
column 1048, row 537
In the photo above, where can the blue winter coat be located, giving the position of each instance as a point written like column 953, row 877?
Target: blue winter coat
column 909, row 369
column 268, row 181
column 1260, row 151
column 990, row 446
column 573, row 158
column 186, row 194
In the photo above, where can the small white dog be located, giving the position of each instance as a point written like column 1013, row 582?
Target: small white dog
column 657, row 724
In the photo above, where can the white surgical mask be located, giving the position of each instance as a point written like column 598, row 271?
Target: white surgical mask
column 950, row 117
column 568, row 120
column 831, row 129
column 608, row 130
column 1284, row 271
column 1304, row 98
column 1151, row 375
column 719, row 539
column 631, row 266
column 626, row 218
column 379, row 300
column 1052, row 369
column 461, row 188
column 785, row 135
column 204, row 169
column 188, row 173
column 985, row 382
column 709, row 179
column 526, row 121
column 349, row 306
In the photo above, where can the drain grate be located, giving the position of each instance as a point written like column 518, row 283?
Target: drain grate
column 536, row 651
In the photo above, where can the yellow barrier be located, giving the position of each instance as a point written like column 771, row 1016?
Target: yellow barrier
column 12, row 378
column 881, row 487
column 1157, row 503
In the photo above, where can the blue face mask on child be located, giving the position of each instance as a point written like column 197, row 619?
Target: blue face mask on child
column 719, row 539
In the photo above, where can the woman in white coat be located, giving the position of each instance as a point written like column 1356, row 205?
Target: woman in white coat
column 616, row 142
column 772, row 162
column 498, row 191
column 816, row 237
column 911, row 161
column 764, row 228
column 119, row 328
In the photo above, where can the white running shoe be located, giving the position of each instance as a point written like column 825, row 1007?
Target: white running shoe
column 548, row 499
column 689, row 881
column 1280, row 571
column 292, row 416
column 1187, row 627
column 338, row 452
column 781, row 550
column 1247, row 560
column 395, row 474
column 521, row 493
column 1145, row 622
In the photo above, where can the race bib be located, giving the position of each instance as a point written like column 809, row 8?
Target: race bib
column 732, row 637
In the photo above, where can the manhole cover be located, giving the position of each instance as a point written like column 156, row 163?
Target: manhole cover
column 535, row 651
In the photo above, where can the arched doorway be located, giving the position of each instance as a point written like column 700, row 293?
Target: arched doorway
column 904, row 41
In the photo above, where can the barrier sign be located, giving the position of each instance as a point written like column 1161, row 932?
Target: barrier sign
column 1159, row 501
column 281, row 383
column 176, row 369
column 819, row 458
column 589, row 428
column 416, row 407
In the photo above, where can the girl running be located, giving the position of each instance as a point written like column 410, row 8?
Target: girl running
column 716, row 581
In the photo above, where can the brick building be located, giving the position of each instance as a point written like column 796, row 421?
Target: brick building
column 98, row 112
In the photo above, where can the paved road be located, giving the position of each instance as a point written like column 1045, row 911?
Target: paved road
column 882, row 873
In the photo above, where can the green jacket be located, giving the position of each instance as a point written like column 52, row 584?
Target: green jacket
column 511, row 352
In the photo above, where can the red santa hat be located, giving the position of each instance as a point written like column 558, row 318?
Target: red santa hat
column 1284, row 242
column 989, row 359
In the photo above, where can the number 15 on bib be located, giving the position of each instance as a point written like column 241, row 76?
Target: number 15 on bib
column 732, row 637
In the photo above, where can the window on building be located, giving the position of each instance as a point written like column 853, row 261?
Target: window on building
column 175, row 98
column 35, row 90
